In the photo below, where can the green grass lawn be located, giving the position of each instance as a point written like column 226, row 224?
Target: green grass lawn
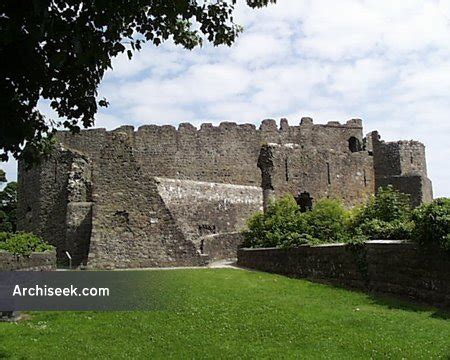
column 227, row 313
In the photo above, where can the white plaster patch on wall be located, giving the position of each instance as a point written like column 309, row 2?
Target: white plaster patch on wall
column 172, row 189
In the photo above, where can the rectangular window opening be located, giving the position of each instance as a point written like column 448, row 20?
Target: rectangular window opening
column 286, row 170
column 328, row 173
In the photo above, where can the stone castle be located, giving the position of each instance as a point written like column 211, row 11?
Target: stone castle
column 161, row 196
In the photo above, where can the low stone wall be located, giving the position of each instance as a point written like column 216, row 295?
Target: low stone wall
column 37, row 261
column 221, row 246
column 395, row 267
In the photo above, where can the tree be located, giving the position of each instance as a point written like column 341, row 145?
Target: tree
column 59, row 50
column 8, row 204
column 2, row 176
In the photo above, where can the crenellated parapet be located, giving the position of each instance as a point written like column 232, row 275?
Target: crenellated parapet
column 267, row 125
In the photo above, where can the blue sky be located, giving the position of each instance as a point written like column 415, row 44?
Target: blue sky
column 385, row 62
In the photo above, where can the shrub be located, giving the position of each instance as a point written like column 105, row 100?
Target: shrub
column 326, row 223
column 282, row 225
column 432, row 223
column 5, row 224
column 4, row 236
column 390, row 230
column 387, row 215
column 356, row 240
column 387, row 205
column 24, row 244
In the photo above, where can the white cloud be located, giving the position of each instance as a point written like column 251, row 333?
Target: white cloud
column 358, row 80
column 107, row 121
column 257, row 49
column 351, row 29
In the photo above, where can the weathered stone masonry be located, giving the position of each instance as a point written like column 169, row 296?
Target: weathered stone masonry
column 396, row 267
column 161, row 196
column 36, row 261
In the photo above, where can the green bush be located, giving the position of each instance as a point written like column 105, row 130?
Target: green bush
column 4, row 236
column 387, row 205
column 432, row 223
column 282, row 225
column 327, row 221
column 356, row 240
column 22, row 243
column 386, row 230
column 387, row 215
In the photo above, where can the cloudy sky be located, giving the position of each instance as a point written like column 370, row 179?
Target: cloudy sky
column 387, row 62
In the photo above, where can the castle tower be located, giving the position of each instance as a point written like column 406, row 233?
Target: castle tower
column 321, row 161
column 401, row 164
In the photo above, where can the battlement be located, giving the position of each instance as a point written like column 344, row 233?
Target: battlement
column 267, row 125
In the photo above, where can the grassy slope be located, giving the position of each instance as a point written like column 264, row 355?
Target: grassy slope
column 238, row 314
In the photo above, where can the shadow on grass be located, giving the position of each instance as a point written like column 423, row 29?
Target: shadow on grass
column 4, row 355
column 388, row 300
column 393, row 301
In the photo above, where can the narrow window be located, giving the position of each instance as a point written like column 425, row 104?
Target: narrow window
column 328, row 173
column 56, row 170
column 286, row 169
column 365, row 178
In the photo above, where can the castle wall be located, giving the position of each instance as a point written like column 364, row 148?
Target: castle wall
column 131, row 226
column 321, row 164
column 222, row 246
column 223, row 154
column 43, row 197
column 324, row 174
column 88, row 142
column 204, row 208
column 227, row 153
column 79, row 209
column 417, row 186
column 412, row 157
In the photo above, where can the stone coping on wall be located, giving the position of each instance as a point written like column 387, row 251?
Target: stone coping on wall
column 36, row 261
column 339, row 244
column 398, row 267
